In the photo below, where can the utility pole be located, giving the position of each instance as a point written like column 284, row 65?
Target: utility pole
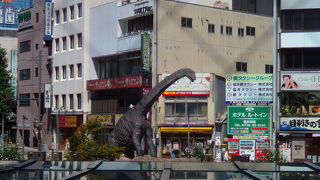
column 23, row 124
column 39, row 102
column 2, row 137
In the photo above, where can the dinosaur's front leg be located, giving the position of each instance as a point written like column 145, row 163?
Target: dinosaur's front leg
column 136, row 139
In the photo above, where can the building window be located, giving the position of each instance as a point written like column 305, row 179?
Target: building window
column 71, row 101
column 36, row 72
column 240, row 32
column 37, row 17
column 192, row 107
column 79, row 101
column 241, row 66
column 186, row 22
column 79, row 10
column 64, row 101
column 64, row 72
column 24, row 99
column 57, row 45
column 57, row 16
column 56, row 98
column 302, row 20
column 221, row 29
column 300, row 59
column 71, row 41
column 79, row 40
column 229, row 30
column 37, row 46
column 250, row 31
column 64, row 43
column 64, row 14
column 269, row 68
column 25, row 46
column 79, row 69
column 210, row 28
column 71, row 71
column 24, row 74
column 57, row 72
column 71, row 12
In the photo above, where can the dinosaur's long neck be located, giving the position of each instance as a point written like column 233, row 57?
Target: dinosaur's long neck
column 146, row 102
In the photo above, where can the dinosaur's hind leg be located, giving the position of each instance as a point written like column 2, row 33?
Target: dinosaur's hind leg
column 149, row 138
column 136, row 137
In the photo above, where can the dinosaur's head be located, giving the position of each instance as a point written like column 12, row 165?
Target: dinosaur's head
column 190, row 74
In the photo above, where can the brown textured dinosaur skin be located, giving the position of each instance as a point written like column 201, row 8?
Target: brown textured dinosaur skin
column 133, row 125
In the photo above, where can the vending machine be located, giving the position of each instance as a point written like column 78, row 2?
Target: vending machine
column 248, row 147
column 262, row 146
column 233, row 148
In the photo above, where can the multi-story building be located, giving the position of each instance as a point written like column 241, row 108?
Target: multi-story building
column 298, row 75
column 155, row 38
column 9, row 21
column 70, row 65
column 34, row 71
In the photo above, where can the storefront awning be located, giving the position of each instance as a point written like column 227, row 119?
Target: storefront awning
column 185, row 129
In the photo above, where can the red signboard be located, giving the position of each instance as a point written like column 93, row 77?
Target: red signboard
column 68, row 121
column 117, row 83
column 186, row 93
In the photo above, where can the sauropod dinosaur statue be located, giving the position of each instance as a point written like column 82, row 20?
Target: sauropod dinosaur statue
column 133, row 125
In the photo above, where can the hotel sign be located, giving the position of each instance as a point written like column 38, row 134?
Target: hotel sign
column 248, row 120
column 118, row 83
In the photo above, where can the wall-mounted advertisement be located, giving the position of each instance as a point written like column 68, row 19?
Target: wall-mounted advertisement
column 47, row 96
column 249, row 88
column 184, row 87
column 299, row 123
column 1, row 15
column 146, row 51
column 248, row 120
column 9, row 16
column 48, row 28
column 300, row 103
column 293, row 81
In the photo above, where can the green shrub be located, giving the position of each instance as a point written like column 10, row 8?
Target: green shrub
column 10, row 151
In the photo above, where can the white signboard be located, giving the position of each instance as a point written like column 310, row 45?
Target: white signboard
column 291, row 81
column 249, row 88
column 299, row 123
column 47, row 96
column 184, row 86
column 1, row 15
column 48, row 32
column 9, row 18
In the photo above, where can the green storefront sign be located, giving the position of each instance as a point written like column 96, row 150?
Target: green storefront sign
column 248, row 120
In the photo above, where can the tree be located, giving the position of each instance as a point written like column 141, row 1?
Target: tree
column 83, row 146
column 5, row 87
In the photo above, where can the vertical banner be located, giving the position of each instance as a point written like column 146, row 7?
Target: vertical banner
column 1, row 15
column 47, row 31
column 47, row 96
column 9, row 18
column 14, row 61
column 146, row 51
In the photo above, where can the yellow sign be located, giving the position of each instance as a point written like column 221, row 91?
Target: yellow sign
column 71, row 121
column 107, row 119
column 185, row 129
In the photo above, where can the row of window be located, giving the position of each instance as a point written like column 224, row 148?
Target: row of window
column 71, row 101
column 71, row 71
column 300, row 20
column 250, row 31
column 25, row 74
column 243, row 67
column 68, row 12
column 71, row 42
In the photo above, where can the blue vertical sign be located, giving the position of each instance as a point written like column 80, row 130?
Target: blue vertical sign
column 48, row 24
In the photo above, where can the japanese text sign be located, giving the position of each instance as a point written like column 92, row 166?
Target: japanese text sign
column 248, row 120
column 249, row 88
column 296, row 81
column 299, row 123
